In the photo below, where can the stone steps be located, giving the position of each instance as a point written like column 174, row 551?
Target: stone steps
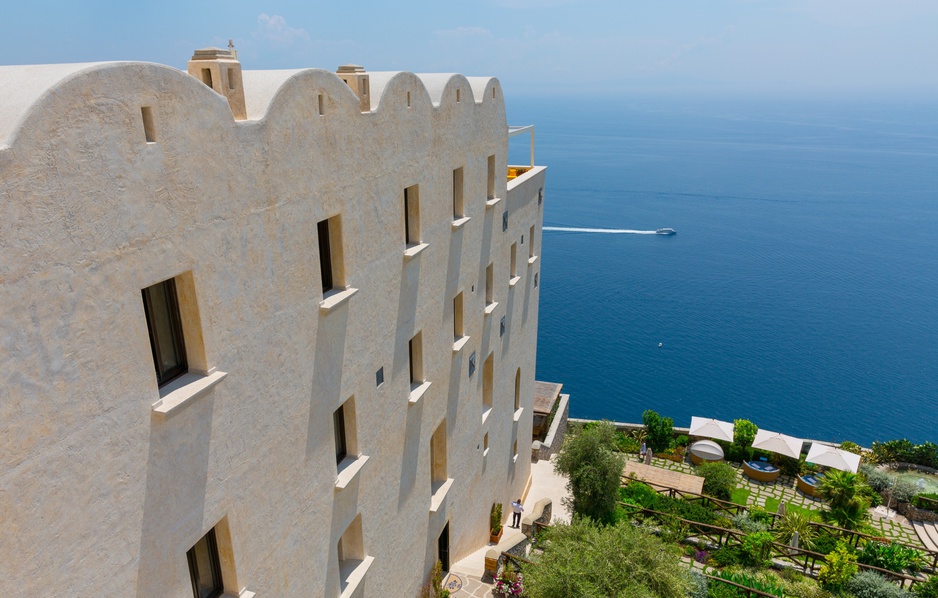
column 927, row 533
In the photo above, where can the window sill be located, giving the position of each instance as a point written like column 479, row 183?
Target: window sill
column 517, row 416
column 438, row 496
column 514, row 459
column 485, row 413
column 245, row 593
column 531, row 260
column 459, row 222
column 485, row 453
column 348, row 470
column 413, row 251
column 460, row 343
column 490, row 308
column 184, row 390
column 513, row 280
column 492, row 202
column 335, row 298
column 417, row 391
column 353, row 573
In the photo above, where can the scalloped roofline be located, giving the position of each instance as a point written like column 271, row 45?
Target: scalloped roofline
column 23, row 88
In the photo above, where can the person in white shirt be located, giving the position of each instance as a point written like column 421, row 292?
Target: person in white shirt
column 516, row 509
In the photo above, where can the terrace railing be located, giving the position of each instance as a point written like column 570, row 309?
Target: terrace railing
column 851, row 537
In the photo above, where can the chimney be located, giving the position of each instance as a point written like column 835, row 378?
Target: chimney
column 220, row 70
column 357, row 79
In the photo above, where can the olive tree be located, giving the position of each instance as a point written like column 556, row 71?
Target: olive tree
column 593, row 470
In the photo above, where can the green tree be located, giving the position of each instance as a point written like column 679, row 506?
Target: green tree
column 587, row 560
column 719, row 479
column 660, row 430
column 844, row 492
column 593, row 470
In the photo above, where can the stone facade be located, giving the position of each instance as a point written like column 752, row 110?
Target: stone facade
column 117, row 176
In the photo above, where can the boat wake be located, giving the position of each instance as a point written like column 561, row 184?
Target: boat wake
column 607, row 231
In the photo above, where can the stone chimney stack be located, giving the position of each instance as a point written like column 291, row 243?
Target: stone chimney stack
column 220, row 70
column 357, row 79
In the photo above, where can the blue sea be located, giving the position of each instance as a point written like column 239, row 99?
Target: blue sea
column 801, row 288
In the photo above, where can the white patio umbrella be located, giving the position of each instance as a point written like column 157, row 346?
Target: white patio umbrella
column 821, row 454
column 711, row 428
column 775, row 442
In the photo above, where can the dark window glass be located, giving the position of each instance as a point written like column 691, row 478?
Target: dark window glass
column 325, row 255
column 379, row 377
column 410, row 359
column 165, row 326
column 338, row 422
column 408, row 238
column 204, row 567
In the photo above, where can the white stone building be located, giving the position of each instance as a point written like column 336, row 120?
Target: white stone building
column 263, row 332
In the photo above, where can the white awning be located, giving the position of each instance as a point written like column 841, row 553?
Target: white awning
column 707, row 450
column 775, row 442
column 829, row 456
column 711, row 428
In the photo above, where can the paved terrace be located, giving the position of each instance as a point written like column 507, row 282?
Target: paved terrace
column 465, row 577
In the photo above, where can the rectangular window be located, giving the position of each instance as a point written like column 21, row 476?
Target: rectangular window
column 491, row 177
column 379, row 376
column 487, row 383
column 438, row 456
column 408, row 99
column 205, row 568
column 458, row 210
column 490, row 285
column 457, row 95
column 338, row 424
column 485, row 444
column 351, row 553
column 415, row 355
column 149, row 130
column 322, row 109
column 161, row 307
column 457, row 317
column 411, row 215
column 513, row 271
column 531, row 243
column 207, row 77
column 231, row 78
column 329, row 233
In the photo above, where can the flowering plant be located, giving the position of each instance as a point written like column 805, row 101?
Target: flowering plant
column 509, row 582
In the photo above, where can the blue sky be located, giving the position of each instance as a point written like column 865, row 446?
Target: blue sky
column 799, row 47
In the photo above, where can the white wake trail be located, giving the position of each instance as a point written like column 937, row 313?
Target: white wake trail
column 608, row 231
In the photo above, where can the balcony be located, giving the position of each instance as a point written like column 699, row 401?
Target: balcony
column 518, row 170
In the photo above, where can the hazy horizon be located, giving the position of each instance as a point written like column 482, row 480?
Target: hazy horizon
column 783, row 48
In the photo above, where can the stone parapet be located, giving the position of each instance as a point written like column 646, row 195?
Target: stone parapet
column 558, row 428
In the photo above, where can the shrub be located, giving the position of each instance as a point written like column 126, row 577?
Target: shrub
column 904, row 451
column 893, row 557
column 760, row 514
column 681, row 440
column 747, row 524
column 825, row 543
column 698, row 585
column 627, row 444
column 851, row 447
column 728, row 556
column 639, row 494
column 593, row 470
column 904, row 489
column 869, row 584
column 757, row 547
column 925, row 504
column 719, row 479
column 790, row 467
column 927, row 589
column 495, row 518
column 878, row 479
column 761, row 584
column 660, row 431
column 799, row 586
column 577, row 556
column 841, row 565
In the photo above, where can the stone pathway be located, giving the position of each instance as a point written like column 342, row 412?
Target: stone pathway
column 895, row 527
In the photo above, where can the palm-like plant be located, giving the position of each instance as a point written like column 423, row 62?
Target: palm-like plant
column 791, row 522
column 843, row 492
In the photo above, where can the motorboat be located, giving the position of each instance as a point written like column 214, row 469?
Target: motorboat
column 666, row 231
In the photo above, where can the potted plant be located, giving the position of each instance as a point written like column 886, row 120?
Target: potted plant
column 495, row 523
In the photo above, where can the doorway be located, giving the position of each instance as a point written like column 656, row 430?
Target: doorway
column 443, row 547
